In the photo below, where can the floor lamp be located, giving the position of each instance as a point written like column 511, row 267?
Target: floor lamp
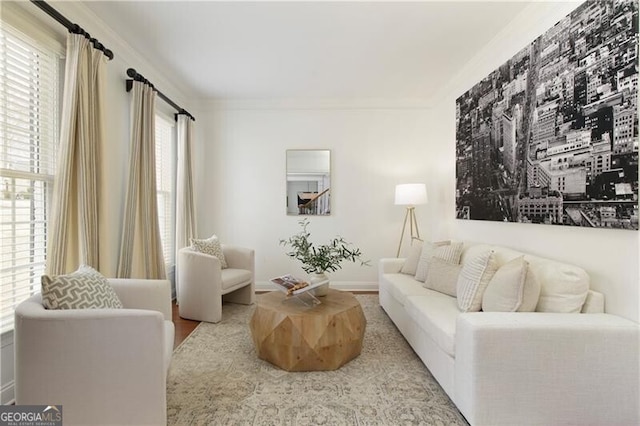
column 410, row 195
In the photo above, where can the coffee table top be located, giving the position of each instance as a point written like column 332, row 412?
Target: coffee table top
column 334, row 302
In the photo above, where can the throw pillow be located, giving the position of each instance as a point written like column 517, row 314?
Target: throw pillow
column 411, row 263
column 442, row 276
column 563, row 287
column 210, row 246
column 85, row 288
column 445, row 250
column 513, row 288
column 473, row 280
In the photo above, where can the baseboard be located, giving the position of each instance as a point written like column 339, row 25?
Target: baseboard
column 339, row 285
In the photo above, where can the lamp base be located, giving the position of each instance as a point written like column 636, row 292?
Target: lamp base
column 410, row 216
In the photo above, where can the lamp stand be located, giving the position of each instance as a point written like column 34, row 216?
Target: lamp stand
column 410, row 216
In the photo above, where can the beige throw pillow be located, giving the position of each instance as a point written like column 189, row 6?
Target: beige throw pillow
column 85, row 288
column 411, row 263
column 474, row 279
column 442, row 276
column 445, row 250
column 210, row 246
column 513, row 288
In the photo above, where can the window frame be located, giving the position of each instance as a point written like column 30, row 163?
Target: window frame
column 40, row 138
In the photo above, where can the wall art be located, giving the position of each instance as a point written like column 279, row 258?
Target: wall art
column 551, row 136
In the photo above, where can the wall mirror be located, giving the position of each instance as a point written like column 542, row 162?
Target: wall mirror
column 308, row 182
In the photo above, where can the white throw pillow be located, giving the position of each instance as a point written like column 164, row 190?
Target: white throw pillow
column 563, row 287
column 84, row 288
column 474, row 279
column 442, row 276
column 210, row 246
column 445, row 250
column 513, row 288
column 411, row 263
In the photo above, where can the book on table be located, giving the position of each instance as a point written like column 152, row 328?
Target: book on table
column 294, row 286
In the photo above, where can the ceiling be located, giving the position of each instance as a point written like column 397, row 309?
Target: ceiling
column 308, row 50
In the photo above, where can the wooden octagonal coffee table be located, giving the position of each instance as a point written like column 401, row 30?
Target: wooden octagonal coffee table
column 296, row 337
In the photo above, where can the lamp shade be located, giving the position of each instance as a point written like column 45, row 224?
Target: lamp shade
column 411, row 194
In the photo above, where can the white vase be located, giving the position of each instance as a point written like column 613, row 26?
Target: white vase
column 322, row 290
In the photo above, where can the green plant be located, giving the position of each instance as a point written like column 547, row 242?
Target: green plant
column 327, row 257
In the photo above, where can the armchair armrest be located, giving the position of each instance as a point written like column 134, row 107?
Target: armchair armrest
column 154, row 295
column 92, row 360
column 391, row 265
column 558, row 368
column 239, row 257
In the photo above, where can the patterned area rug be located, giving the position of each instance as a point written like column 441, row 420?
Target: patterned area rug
column 217, row 379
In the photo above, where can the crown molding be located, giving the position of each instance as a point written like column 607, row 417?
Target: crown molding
column 316, row 104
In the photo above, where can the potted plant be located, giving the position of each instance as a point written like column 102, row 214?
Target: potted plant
column 317, row 260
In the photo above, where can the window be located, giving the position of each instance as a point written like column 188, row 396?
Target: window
column 165, row 185
column 29, row 99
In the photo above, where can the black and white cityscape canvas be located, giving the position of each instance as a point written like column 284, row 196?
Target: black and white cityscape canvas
column 551, row 136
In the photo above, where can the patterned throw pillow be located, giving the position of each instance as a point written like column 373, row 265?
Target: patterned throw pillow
column 85, row 288
column 445, row 250
column 210, row 246
column 474, row 279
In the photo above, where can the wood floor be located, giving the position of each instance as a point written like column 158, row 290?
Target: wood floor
column 184, row 327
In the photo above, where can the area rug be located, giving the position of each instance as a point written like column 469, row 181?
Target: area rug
column 217, row 379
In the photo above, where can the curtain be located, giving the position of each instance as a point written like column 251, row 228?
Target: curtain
column 141, row 247
column 73, row 232
column 185, row 208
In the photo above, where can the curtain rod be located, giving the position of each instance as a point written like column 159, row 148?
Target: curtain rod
column 139, row 77
column 73, row 28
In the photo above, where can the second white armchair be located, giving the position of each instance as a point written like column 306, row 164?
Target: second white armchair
column 203, row 284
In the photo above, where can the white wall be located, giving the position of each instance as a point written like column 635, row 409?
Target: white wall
column 241, row 183
column 609, row 256
column 374, row 149
column 116, row 146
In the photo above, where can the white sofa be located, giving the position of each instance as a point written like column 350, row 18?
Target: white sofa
column 521, row 368
column 104, row 366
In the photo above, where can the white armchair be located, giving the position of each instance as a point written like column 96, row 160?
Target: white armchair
column 105, row 366
column 203, row 284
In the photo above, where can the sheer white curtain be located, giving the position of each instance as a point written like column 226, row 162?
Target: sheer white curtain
column 185, row 206
column 73, row 233
column 141, row 247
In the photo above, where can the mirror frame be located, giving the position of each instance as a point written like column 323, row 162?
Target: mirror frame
column 318, row 199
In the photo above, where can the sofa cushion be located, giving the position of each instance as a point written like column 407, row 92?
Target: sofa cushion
column 411, row 263
column 400, row 286
column 210, row 246
column 84, row 288
column 435, row 313
column 233, row 277
column 563, row 287
column 513, row 288
column 445, row 250
column 442, row 276
column 594, row 303
column 473, row 280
